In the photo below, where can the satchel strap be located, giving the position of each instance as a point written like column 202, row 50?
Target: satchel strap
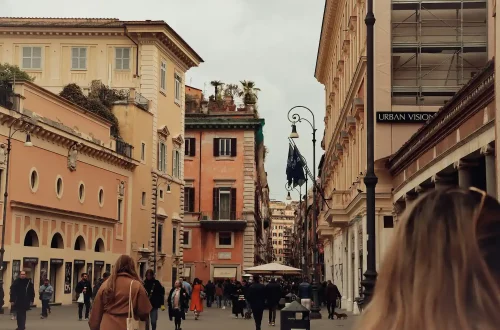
column 130, row 304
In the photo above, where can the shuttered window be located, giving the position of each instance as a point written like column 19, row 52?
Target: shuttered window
column 224, row 204
column 190, row 147
column 189, row 199
column 225, row 147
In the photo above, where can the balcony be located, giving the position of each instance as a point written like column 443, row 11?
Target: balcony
column 124, row 148
column 231, row 221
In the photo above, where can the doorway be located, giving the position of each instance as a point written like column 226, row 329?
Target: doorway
column 29, row 266
column 55, row 273
column 98, row 267
column 79, row 268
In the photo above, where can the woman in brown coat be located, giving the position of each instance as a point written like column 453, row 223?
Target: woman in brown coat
column 110, row 309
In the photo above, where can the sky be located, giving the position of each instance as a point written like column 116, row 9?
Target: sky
column 271, row 42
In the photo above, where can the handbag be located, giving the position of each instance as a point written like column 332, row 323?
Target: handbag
column 81, row 299
column 132, row 323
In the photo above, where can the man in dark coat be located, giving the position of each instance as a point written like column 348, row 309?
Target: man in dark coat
column 99, row 283
column 332, row 293
column 156, row 294
column 84, row 287
column 210, row 292
column 257, row 300
column 305, row 293
column 22, row 295
column 273, row 296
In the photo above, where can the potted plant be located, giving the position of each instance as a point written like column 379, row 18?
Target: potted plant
column 249, row 92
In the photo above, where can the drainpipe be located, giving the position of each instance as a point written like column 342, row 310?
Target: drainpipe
column 199, row 178
column 136, row 53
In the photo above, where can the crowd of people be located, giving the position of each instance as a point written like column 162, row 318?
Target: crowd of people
column 441, row 272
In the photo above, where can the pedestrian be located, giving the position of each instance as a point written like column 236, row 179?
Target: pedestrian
column 273, row 296
column 321, row 294
column 210, row 293
column 238, row 307
column 22, row 295
column 442, row 269
column 13, row 314
column 257, row 299
column 84, row 290
column 156, row 295
column 177, row 304
column 121, row 290
column 305, row 293
column 46, row 291
column 99, row 283
column 189, row 290
column 196, row 305
column 332, row 293
column 219, row 292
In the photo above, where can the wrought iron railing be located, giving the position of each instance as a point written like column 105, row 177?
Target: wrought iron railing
column 216, row 215
column 124, row 148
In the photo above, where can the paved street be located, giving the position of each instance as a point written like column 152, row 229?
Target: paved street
column 64, row 318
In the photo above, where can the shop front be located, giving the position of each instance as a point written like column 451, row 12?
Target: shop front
column 78, row 270
column 223, row 273
column 98, row 270
column 29, row 266
column 56, row 278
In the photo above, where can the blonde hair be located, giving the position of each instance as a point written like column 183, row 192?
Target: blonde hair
column 442, row 270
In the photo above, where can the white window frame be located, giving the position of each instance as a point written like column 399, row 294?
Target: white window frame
column 228, row 193
column 176, row 163
column 226, row 151
column 79, row 57
column 31, row 58
column 120, row 210
column 122, row 58
column 218, row 246
column 163, row 76
column 143, row 151
column 188, row 245
column 177, row 88
column 162, row 157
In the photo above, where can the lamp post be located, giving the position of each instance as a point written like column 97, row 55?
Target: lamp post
column 294, row 119
column 27, row 143
column 289, row 198
column 156, row 219
column 370, row 177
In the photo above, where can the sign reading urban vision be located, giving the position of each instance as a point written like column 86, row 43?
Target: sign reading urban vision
column 403, row 117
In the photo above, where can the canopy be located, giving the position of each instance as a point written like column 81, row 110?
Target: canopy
column 272, row 269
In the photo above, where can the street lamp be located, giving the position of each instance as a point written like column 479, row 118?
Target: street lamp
column 27, row 143
column 294, row 119
column 289, row 188
column 370, row 179
column 156, row 218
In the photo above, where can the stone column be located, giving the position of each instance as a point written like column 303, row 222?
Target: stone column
column 443, row 181
column 491, row 179
column 464, row 173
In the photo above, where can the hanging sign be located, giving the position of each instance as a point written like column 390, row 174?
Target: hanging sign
column 403, row 117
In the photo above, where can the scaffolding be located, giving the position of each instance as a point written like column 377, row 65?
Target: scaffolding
column 437, row 46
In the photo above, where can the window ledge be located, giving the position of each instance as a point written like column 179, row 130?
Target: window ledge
column 189, row 158
column 123, row 70
column 78, row 69
column 163, row 92
column 178, row 103
column 33, row 70
column 225, row 158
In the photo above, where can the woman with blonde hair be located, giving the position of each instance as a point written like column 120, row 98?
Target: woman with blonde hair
column 442, row 271
column 111, row 304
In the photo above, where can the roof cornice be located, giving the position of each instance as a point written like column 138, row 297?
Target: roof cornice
column 326, row 39
column 223, row 123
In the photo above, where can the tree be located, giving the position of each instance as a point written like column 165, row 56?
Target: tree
column 217, row 84
column 10, row 72
column 249, row 92
column 232, row 90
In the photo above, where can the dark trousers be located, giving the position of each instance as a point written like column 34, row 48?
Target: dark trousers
column 177, row 318
column 45, row 308
column 210, row 300
column 21, row 319
column 257, row 316
column 87, row 309
column 272, row 313
column 330, row 306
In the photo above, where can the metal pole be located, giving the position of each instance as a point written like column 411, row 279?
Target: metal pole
column 306, row 234
column 370, row 177
column 156, row 224
column 4, row 218
column 316, row 309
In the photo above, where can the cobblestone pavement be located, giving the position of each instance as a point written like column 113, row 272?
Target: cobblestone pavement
column 65, row 318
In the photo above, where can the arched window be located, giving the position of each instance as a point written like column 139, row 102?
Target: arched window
column 80, row 244
column 57, row 242
column 31, row 238
column 99, row 245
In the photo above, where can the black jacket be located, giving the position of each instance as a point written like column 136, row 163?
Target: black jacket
column 22, row 293
column 273, row 293
column 97, row 286
column 183, row 304
column 305, row 290
column 210, row 289
column 156, row 292
column 257, row 296
column 332, row 293
column 79, row 289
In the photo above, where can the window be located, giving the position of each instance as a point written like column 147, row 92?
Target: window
column 122, row 58
column 224, row 204
column 59, row 187
column 274, row 234
column 388, row 221
column 120, row 210
column 162, row 157
column 188, row 199
column 280, row 242
column 34, row 180
column 79, row 58
column 185, row 237
column 224, row 147
column 161, row 194
column 176, row 165
column 190, row 147
column 143, row 198
column 81, row 192
column 32, row 58
column 160, row 235
column 101, row 197
column 143, row 151
column 281, row 235
column 174, row 240
column 225, row 239
column 163, row 76
column 178, row 84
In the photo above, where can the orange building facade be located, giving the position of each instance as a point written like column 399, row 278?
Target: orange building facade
column 225, row 194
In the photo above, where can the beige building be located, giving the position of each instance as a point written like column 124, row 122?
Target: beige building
column 149, row 60
column 425, row 51
column 282, row 228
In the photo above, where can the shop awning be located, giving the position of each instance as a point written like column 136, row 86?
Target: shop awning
column 187, row 272
column 224, row 272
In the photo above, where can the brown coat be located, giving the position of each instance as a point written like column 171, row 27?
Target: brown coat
column 113, row 315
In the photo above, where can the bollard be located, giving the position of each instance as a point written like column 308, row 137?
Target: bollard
column 295, row 316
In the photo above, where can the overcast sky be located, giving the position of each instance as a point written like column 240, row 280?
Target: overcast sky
column 272, row 42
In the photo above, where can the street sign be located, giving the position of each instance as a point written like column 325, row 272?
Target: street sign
column 403, row 117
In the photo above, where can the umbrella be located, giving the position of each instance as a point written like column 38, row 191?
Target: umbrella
column 273, row 268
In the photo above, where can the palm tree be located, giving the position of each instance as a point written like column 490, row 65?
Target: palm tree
column 249, row 92
column 216, row 84
column 232, row 90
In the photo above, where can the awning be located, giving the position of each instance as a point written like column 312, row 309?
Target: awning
column 187, row 272
column 224, row 272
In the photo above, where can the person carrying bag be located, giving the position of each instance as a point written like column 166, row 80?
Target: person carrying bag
column 132, row 323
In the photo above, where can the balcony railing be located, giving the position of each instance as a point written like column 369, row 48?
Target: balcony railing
column 216, row 220
column 218, row 215
column 8, row 99
column 141, row 100
column 124, row 148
